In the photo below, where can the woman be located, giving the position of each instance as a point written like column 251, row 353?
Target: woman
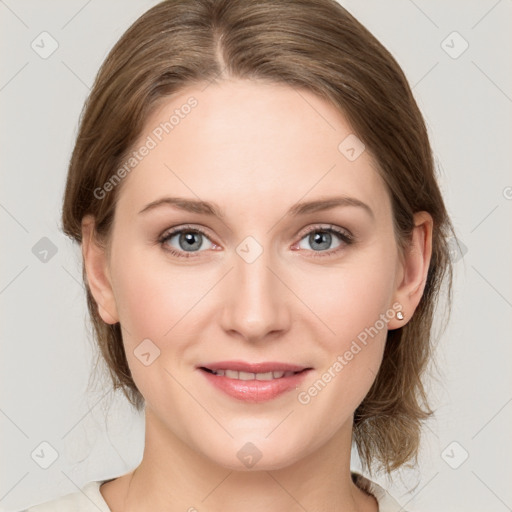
column 264, row 242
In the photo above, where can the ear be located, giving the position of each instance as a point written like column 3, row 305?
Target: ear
column 414, row 269
column 98, row 273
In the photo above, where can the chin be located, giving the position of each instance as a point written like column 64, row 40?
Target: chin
column 258, row 454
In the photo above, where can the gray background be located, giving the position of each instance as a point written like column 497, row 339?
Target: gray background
column 47, row 350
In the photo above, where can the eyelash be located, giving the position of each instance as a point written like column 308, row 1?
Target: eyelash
column 347, row 238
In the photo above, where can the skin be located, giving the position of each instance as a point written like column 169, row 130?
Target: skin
column 255, row 149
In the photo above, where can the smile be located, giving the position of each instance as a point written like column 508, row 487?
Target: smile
column 266, row 381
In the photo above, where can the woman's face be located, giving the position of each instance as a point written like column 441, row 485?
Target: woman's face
column 263, row 282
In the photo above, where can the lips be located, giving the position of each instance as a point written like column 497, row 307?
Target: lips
column 254, row 382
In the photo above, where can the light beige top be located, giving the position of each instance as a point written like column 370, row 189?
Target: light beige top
column 90, row 499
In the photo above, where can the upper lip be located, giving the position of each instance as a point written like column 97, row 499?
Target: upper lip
column 263, row 367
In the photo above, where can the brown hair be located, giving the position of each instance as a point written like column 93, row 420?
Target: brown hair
column 311, row 44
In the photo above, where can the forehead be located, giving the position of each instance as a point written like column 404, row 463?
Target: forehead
column 256, row 143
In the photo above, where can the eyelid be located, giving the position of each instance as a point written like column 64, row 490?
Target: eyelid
column 326, row 227
column 185, row 227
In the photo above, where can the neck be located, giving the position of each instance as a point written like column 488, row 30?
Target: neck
column 173, row 477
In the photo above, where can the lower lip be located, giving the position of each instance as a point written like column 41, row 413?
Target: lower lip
column 255, row 390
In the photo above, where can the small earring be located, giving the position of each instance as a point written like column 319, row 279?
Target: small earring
column 400, row 315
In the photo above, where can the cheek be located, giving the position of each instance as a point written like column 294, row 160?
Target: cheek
column 155, row 301
column 152, row 295
column 353, row 305
column 162, row 302
column 350, row 357
column 350, row 299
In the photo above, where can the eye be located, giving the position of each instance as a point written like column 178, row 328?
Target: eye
column 185, row 240
column 320, row 240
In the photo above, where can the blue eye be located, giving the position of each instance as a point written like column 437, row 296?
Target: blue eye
column 320, row 240
column 190, row 240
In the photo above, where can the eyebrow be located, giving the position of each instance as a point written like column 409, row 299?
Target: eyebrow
column 303, row 208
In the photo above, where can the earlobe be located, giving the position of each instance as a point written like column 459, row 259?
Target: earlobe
column 98, row 275
column 415, row 267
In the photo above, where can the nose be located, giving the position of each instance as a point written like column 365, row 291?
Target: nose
column 255, row 303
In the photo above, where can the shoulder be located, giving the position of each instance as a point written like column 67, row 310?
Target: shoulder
column 87, row 499
column 386, row 502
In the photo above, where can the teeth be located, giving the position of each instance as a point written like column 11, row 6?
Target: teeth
column 264, row 376
column 233, row 374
